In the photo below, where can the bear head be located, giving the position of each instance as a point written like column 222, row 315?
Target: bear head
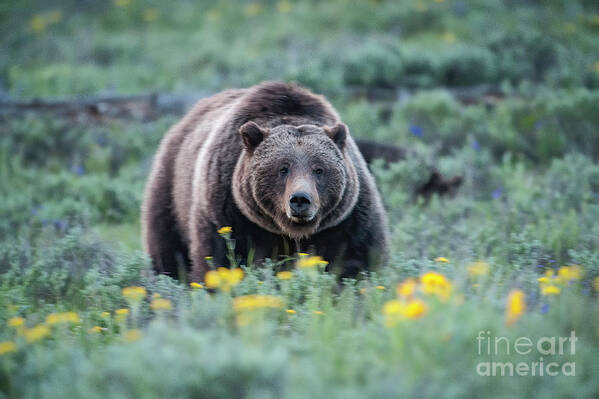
column 295, row 180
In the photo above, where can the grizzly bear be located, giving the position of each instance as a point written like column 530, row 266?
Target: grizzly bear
column 276, row 164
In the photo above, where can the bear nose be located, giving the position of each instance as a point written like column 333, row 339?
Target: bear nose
column 300, row 203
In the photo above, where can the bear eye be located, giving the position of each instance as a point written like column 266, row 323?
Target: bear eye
column 318, row 171
column 284, row 171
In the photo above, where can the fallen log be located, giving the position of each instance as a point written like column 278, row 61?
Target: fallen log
column 100, row 109
column 147, row 107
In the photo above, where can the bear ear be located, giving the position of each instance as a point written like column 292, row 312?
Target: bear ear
column 252, row 135
column 337, row 133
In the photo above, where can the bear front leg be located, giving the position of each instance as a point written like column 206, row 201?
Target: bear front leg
column 161, row 237
column 358, row 259
column 205, row 242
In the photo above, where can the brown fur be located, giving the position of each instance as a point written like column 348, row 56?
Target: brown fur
column 210, row 172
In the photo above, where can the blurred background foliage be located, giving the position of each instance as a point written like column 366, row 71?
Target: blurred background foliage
column 503, row 93
column 127, row 46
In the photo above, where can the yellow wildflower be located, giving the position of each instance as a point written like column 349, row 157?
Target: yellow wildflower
column 441, row 259
column 16, row 322
column 212, row 279
column 132, row 335
column 291, row 311
column 121, row 314
column 95, row 329
column 318, row 312
column 122, row 3
column 380, row 287
column 307, row 262
column 161, row 304
column 70, row 317
column 284, row 6
column 516, row 306
column 478, row 269
column 596, row 283
column 392, row 307
column 550, row 290
column 407, row 288
column 7, row 347
column 151, row 14
column 544, row 280
column 53, row 318
column 213, row 15
column 105, row 315
column 436, row 284
column 251, row 302
column 396, row 310
column 252, row 9
column 569, row 273
column 242, row 319
column 303, row 254
column 196, row 285
column 36, row 333
column 225, row 230
column 285, row 275
column 363, row 291
column 569, row 27
column 449, row 37
column 134, row 294
column 223, row 278
column 53, row 17
column 415, row 309
column 59, row 318
column 37, row 24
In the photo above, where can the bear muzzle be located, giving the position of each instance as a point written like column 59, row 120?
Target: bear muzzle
column 301, row 207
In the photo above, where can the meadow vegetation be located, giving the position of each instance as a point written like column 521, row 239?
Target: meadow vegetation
column 515, row 253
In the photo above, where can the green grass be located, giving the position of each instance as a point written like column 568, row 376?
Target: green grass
column 125, row 235
column 71, row 193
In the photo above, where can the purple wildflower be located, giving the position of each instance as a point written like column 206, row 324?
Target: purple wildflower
column 78, row 169
column 61, row 225
column 545, row 308
column 460, row 9
column 101, row 140
column 539, row 124
column 497, row 193
column 416, row 130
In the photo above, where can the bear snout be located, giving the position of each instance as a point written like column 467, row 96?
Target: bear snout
column 300, row 205
column 301, row 201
